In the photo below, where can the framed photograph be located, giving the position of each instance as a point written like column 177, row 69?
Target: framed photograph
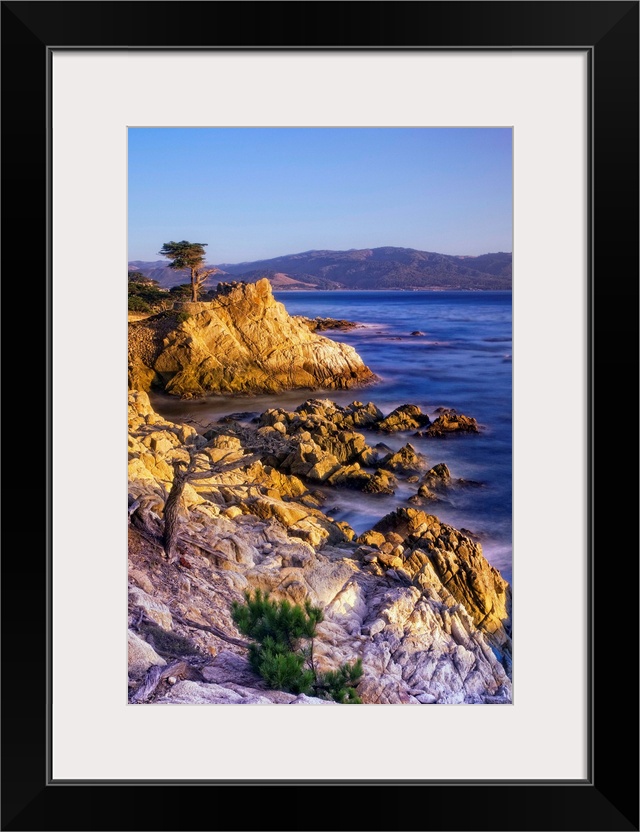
column 550, row 92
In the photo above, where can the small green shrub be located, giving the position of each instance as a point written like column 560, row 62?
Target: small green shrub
column 145, row 294
column 282, row 648
column 137, row 304
column 183, row 316
column 339, row 684
column 181, row 292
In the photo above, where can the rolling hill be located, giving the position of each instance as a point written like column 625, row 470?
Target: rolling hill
column 377, row 268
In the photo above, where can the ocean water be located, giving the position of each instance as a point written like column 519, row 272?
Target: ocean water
column 463, row 361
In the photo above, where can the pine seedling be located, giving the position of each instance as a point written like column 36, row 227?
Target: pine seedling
column 282, row 648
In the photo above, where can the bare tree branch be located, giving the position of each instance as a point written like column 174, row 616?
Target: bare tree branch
column 155, row 675
column 201, row 276
column 187, row 622
column 184, row 473
column 217, row 468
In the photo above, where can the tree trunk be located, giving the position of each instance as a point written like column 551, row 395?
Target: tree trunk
column 194, row 285
column 171, row 509
column 181, row 476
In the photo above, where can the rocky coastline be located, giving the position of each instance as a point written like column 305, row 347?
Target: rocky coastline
column 412, row 597
column 242, row 341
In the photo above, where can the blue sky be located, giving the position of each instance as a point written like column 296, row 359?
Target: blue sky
column 256, row 193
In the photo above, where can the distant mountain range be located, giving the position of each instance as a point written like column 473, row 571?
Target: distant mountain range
column 370, row 268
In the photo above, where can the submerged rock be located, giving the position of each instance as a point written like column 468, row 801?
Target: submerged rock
column 319, row 324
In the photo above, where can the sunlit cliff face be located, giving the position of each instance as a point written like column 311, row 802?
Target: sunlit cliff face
column 242, row 341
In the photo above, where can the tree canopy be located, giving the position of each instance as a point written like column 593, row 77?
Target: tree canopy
column 187, row 255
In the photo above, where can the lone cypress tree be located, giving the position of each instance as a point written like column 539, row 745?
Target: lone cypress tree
column 280, row 655
column 186, row 255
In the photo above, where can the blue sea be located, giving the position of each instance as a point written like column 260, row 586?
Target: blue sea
column 463, row 361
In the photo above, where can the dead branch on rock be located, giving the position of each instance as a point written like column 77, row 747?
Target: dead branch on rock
column 187, row 622
column 155, row 675
column 208, row 550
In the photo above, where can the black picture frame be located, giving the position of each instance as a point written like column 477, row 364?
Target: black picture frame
column 608, row 798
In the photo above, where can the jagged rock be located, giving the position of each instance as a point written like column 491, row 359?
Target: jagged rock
column 139, row 375
column 381, row 482
column 201, row 693
column 346, row 446
column 223, row 441
column 303, row 699
column 368, row 554
column 459, row 564
column 371, row 538
column 141, row 579
column 437, row 477
column 302, row 522
column 229, row 667
column 406, row 460
column 319, row 324
column 361, row 415
column 421, row 607
column 390, row 560
column 310, row 461
column 154, row 609
column 241, row 341
column 327, row 580
column 323, row 451
column 435, row 480
column 141, row 656
column 326, row 465
column 349, row 476
column 272, row 416
column 450, row 422
column 347, row 531
column 285, row 513
column 315, row 414
column 160, row 442
column 405, row 417
column 423, row 494
column 285, row 484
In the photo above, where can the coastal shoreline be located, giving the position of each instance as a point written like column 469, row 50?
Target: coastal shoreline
column 266, row 484
column 268, row 528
